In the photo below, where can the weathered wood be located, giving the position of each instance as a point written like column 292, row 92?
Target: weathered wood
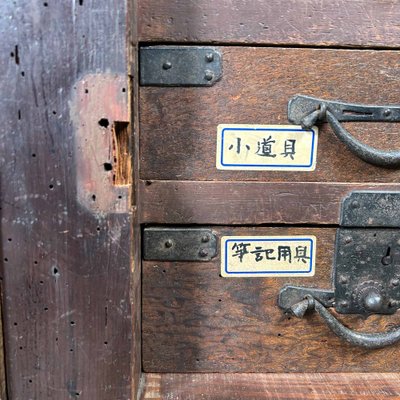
column 3, row 383
column 196, row 321
column 361, row 23
column 179, row 125
column 271, row 386
column 246, row 203
column 67, row 265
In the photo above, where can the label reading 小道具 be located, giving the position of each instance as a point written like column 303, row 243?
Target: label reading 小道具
column 266, row 147
column 266, row 256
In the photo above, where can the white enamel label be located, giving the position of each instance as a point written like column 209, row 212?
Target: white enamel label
column 268, row 256
column 266, row 147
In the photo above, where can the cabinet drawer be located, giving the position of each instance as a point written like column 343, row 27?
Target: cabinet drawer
column 179, row 125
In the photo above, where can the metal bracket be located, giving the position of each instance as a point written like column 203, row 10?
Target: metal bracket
column 179, row 244
column 179, row 66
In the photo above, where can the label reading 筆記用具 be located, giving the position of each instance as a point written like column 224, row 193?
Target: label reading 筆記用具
column 266, row 256
column 266, row 147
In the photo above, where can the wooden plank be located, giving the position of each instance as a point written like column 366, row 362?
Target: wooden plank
column 361, row 23
column 3, row 383
column 196, row 321
column 179, row 125
column 245, row 203
column 271, row 386
column 67, row 263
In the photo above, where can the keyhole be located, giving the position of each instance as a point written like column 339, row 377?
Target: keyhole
column 387, row 258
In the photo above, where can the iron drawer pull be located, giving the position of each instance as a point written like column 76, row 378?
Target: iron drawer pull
column 360, row 339
column 308, row 111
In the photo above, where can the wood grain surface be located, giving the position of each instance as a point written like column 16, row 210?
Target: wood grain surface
column 179, row 125
column 67, row 268
column 271, row 386
column 294, row 22
column 196, row 321
column 245, row 203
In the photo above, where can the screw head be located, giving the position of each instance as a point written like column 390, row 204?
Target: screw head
column 355, row 204
column 168, row 243
column 205, row 239
column 167, row 65
column 343, row 279
column 210, row 57
column 344, row 304
column 395, row 282
column 348, row 239
column 387, row 112
column 203, row 253
column 209, row 76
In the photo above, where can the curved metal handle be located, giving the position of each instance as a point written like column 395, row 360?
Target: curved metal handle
column 360, row 339
column 307, row 111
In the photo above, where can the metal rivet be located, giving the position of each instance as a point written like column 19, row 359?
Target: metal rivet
column 386, row 260
column 205, row 239
column 344, row 303
column 209, row 76
column 387, row 112
column 355, row 204
column 203, row 253
column 168, row 243
column 348, row 239
column 395, row 282
column 373, row 301
column 210, row 57
column 167, row 65
column 343, row 280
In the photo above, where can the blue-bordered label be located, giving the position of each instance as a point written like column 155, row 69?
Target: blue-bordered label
column 266, row 147
column 263, row 256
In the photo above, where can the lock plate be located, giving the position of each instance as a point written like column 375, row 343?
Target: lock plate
column 367, row 271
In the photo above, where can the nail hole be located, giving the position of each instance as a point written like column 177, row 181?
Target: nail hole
column 33, row 155
column 51, row 186
column 93, row 197
column 104, row 122
column 107, row 166
column 86, row 91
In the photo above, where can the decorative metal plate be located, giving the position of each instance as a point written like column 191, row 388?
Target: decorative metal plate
column 367, row 271
column 179, row 66
column 179, row 244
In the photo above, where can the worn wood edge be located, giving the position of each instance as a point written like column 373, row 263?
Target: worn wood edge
column 236, row 203
column 272, row 386
column 3, row 379
column 136, row 265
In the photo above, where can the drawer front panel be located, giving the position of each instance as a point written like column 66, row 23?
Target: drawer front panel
column 179, row 125
column 196, row 321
